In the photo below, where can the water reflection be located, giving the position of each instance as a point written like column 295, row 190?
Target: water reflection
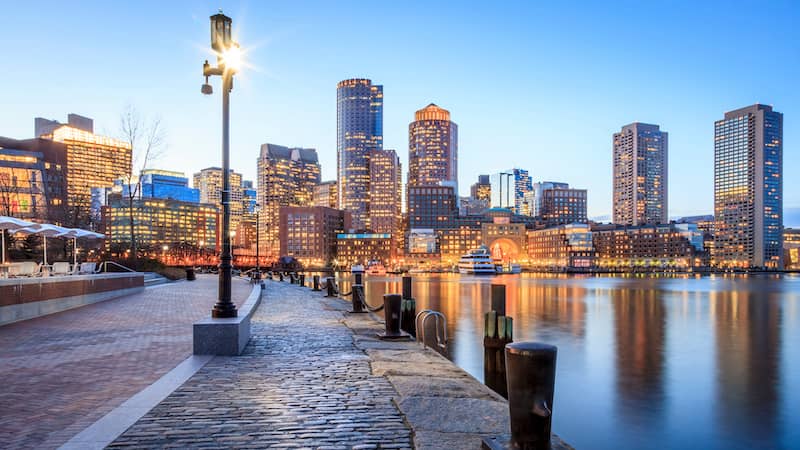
column 669, row 362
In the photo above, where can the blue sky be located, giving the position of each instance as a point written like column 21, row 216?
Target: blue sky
column 531, row 84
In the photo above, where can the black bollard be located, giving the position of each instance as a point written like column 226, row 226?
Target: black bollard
column 498, row 331
column 407, row 287
column 531, row 374
column 359, row 278
column 391, row 309
column 499, row 299
column 358, row 294
column 280, row 276
column 190, row 274
column 315, row 283
column 303, row 279
column 330, row 287
column 408, row 316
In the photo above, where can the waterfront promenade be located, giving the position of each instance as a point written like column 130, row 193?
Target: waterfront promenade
column 62, row 372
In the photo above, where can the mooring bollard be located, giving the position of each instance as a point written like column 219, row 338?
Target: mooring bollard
column 303, row 279
column 190, row 274
column 499, row 299
column 392, row 304
column 315, row 283
column 407, row 287
column 498, row 331
column 408, row 315
column 358, row 278
column 280, row 276
column 531, row 373
column 358, row 294
column 330, row 287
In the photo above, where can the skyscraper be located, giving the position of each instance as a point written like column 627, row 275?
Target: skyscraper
column 748, row 188
column 326, row 194
column 640, row 175
column 509, row 189
column 482, row 190
column 385, row 192
column 209, row 182
column 359, row 126
column 432, row 148
column 286, row 177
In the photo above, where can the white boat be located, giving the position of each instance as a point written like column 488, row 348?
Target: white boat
column 509, row 268
column 478, row 261
column 375, row 268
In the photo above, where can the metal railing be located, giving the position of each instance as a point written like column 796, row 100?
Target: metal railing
column 441, row 338
column 104, row 267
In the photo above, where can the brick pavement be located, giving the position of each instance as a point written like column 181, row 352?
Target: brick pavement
column 62, row 372
column 301, row 383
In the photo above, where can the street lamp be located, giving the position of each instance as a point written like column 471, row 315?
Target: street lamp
column 228, row 61
column 258, row 266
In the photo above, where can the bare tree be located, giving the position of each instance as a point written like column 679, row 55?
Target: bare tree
column 146, row 138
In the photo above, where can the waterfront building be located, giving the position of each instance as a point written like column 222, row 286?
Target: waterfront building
column 509, row 189
column 458, row 241
column 640, row 158
column 386, row 187
column 791, row 248
column 359, row 126
column 157, row 183
column 360, row 248
column 482, row 190
column 560, row 206
column 286, row 177
column 748, row 189
column 33, row 179
column 326, row 194
column 431, row 207
column 159, row 222
column 309, row 233
column 469, row 206
column 209, row 182
column 505, row 238
column 93, row 161
column 648, row 247
column 561, row 248
column 422, row 241
column 432, row 148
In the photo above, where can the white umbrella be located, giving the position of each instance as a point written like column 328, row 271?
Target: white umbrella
column 76, row 233
column 45, row 229
column 6, row 223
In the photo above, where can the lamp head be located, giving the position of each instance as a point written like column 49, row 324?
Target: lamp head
column 206, row 89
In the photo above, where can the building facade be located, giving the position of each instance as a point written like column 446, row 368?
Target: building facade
column 791, row 248
column 360, row 248
column 432, row 148
column 93, row 161
column 482, row 190
column 561, row 248
column 431, row 207
column 326, row 194
column 386, row 187
column 509, row 190
column 209, row 183
column 563, row 206
column 648, row 247
column 286, row 177
column 167, row 184
column 308, row 233
column 33, row 179
column 748, row 189
column 359, row 124
column 640, row 155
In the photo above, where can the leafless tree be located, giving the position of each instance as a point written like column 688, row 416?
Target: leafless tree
column 146, row 137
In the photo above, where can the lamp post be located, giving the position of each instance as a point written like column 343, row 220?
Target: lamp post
column 258, row 266
column 228, row 58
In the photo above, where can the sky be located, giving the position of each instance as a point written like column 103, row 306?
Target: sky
column 536, row 85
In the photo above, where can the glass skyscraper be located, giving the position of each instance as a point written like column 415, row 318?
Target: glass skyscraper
column 748, row 189
column 509, row 189
column 359, row 126
column 432, row 149
column 640, row 175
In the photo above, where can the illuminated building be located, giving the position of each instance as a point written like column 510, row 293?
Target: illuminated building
column 640, row 175
column 509, row 189
column 286, row 177
column 506, row 239
column 564, row 247
column 469, row 206
column 482, row 190
column 560, row 206
column 748, row 189
column 33, row 183
column 326, row 194
column 536, row 197
column 360, row 248
column 249, row 197
column 432, row 149
column 791, row 248
column 209, row 182
column 159, row 222
column 308, row 233
column 431, row 207
column 456, row 242
column 359, row 126
column 167, row 184
column 93, row 161
column 386, row 189
column 666, row 246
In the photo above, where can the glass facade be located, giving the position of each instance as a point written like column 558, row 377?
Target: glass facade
column 748, row 189
column 168, row 184
column 509, row 189
column 640, row 158
column 359, row 123
column 33, row 181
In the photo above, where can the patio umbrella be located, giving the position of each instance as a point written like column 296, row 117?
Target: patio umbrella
column 6, row 223
column 76, row 233
column 44, row 229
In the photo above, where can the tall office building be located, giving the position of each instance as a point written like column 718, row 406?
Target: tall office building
column 482, row 190
column 33, row 179
column 509, row 189
column 166, row 184
column 286, row 177
column 93, row 161
column 748, row 189
column 386, row 189
column 326, row 194
column 433, row 149
column 209, row 182
column 562, row 205
column 640, row 175
column 359, row 126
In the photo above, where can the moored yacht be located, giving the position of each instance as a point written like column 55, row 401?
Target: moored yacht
column 478, row 261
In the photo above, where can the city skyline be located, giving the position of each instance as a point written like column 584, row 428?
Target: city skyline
column 689, row 99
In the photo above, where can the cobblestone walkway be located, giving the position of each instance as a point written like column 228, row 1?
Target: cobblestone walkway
column 62, row 372
column 300, row 384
